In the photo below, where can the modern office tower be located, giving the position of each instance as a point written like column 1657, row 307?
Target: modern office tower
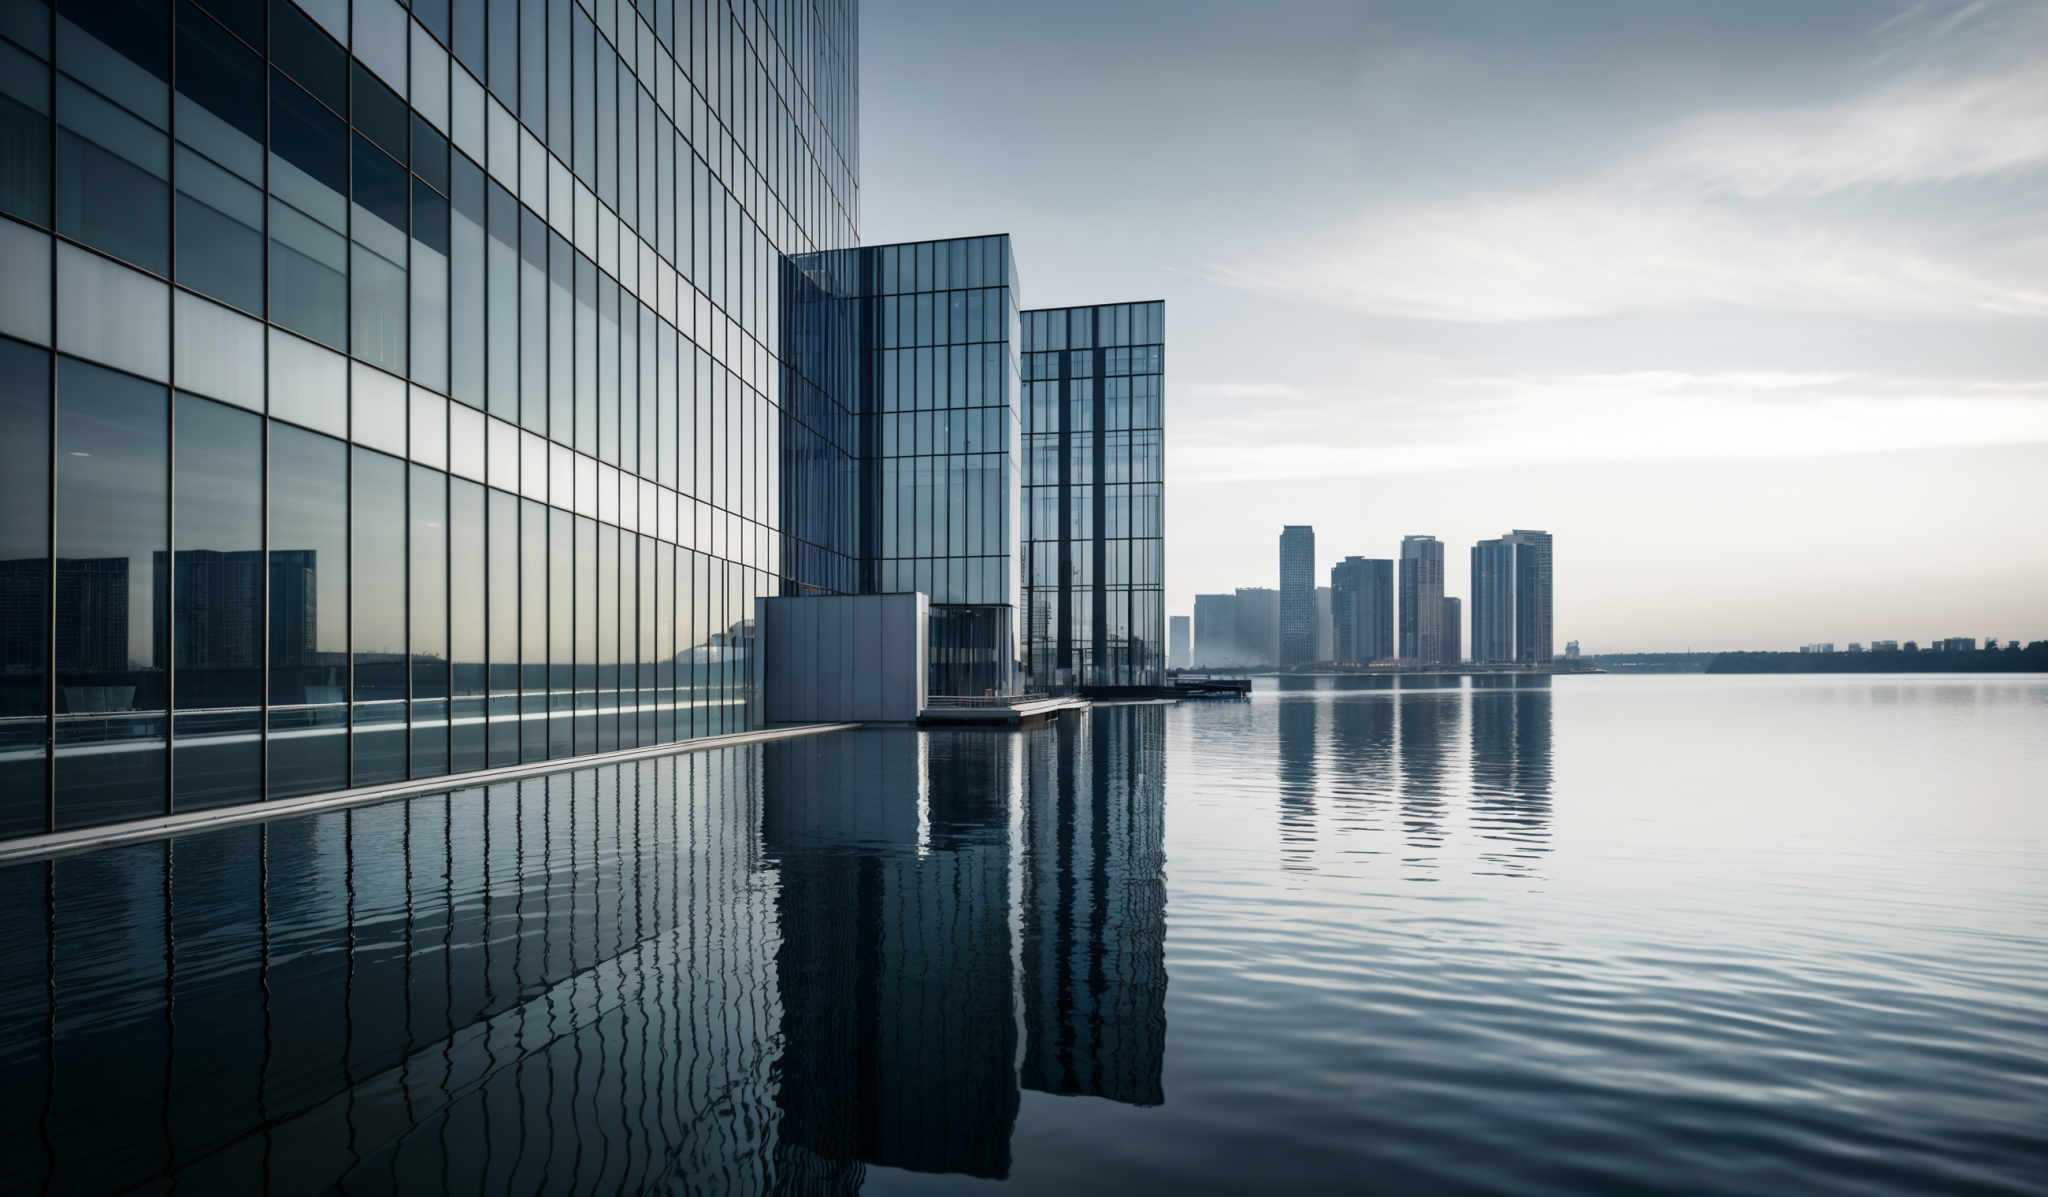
column 1884, row 646
column 1094, row 475
column 1178, row 647
column 1453, row 621
column 924, row 418
column 1532, row 596
column 1215, row 631
column 1422, row 595
column 1362, row 610
column 455, row 304
column 1297, row 595
column 1493, row 602
column 1257, row 612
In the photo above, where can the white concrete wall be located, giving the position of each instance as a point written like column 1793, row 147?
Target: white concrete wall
column 837, row 658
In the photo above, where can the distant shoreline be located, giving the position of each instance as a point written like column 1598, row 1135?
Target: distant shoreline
column 2031, row 659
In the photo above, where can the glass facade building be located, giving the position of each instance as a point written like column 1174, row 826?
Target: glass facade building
column 1362, row 609
column 909, row 352
column 1493, row 601
column 391, row 392
column 1511, row 603
column 1094, row 548
column 1422, row 599
column 1297, row 595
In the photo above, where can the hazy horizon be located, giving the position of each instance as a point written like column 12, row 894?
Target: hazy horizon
column 1741, row 303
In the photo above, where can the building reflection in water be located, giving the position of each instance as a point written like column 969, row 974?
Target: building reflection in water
column 749, row 969
column 1511, row 745
column 898, row 1020
column 1428, row 716
column 1093, row 908
column 1362, row 752
column 1391, row 747
column 1297, row 711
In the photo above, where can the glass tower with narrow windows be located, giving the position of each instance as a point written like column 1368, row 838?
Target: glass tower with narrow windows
column 1094, row 475
column 392, row 392
column 1422, row 600
column 901, row 467
column 1493, row 601
column 1297, row 595
column 1362, row 609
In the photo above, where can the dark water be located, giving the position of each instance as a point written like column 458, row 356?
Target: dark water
column 1762, row 935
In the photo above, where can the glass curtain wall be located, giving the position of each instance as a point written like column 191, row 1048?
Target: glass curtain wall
column 392, row 392
column 900, row 441
column 1094, row 548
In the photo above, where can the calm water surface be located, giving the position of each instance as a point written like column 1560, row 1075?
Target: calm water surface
column 1614, row 933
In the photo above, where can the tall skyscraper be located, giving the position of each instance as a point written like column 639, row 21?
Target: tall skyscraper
column 1362, row 610
column 1177, row 642
column 1532, row 596
column 1297, row 595
column 1216, row 631
column 1453, row 621
column 1493, row 602
column 1511, row 604
column 1422, row 599
column 1094, row 478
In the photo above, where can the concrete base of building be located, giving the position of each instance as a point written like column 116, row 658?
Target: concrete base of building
column 87, row 839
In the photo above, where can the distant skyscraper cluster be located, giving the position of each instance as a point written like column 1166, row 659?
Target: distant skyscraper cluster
column 1383, row 609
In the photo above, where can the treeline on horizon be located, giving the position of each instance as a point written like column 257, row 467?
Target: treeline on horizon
column 2033, row 658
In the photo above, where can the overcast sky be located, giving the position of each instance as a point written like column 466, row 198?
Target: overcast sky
column 1745, row 301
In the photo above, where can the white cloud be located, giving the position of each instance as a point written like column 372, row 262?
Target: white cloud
column 1929, row 129
column 1497, row 420
column 1599, row 249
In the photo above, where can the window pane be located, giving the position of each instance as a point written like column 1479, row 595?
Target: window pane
column 533, row 630
column 466, row 623
column 503, row 294
column 220, row 233
column 429, row 273
column 428, row 625
column 112, row 496
column 217, row 602
column 378, row 328
column 223, row 80
column 466, row 283
column 24, row 582
column 113, row 172
column 308, row 612
column 24, row 136
column 502, row 643
column 309, row 178
column 377, row 614
column 561, row 609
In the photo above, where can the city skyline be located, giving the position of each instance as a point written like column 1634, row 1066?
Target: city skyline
column 1812, row 349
